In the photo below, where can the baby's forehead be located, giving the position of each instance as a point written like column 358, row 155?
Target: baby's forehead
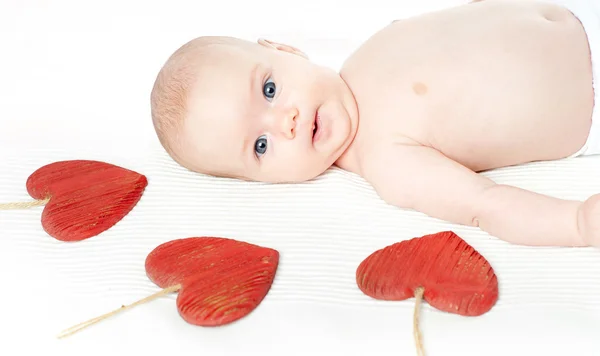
column 228, row 67
column 220, row 101
column 222, row 91
column 227, row 82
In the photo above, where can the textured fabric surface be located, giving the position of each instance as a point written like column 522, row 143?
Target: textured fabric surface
column 548, row 299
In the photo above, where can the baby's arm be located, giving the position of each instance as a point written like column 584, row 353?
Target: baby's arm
column 423, row 179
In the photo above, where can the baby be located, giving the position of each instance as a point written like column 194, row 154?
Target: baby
column 417, row 111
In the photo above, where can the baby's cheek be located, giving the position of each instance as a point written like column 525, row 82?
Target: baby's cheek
column 300, row 166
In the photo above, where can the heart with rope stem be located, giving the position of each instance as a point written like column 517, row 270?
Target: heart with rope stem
column 81, row 198
column 218, row 280
column 441, row 269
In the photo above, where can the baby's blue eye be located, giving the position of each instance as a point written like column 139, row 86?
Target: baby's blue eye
column 269, row 89
column 260, row 146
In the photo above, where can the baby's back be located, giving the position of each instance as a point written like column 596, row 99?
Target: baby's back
column 489, row 84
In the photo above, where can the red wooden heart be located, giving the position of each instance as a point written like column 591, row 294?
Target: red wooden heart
column 86, row 197
column 222, row 280
column 456, row 278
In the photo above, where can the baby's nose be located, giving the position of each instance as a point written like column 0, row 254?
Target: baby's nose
column 288, row 123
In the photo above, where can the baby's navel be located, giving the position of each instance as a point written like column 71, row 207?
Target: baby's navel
column 419, row 88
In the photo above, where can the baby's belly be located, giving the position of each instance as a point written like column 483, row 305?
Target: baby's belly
column 514, row 86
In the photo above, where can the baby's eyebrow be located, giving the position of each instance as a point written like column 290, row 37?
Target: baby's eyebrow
column 244, row 148
column 254, row 76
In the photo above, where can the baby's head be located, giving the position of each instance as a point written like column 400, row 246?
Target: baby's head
column 254, row 111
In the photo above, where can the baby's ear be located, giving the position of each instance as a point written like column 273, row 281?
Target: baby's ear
column 281, row 47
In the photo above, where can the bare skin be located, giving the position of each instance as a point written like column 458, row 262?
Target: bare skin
column 430, row 118
column 418, row 110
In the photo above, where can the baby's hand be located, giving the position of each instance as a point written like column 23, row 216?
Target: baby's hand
column 589, row 220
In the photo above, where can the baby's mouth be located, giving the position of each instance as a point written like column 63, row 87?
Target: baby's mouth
column 315, row 126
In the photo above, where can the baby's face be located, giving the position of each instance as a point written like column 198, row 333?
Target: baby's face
column 267, row 114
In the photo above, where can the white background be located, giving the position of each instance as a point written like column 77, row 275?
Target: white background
column 75, row 78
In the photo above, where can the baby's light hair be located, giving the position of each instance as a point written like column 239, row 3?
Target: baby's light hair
column 169, row 96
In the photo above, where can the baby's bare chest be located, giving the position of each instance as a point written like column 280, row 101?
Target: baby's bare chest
column 472, row 76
